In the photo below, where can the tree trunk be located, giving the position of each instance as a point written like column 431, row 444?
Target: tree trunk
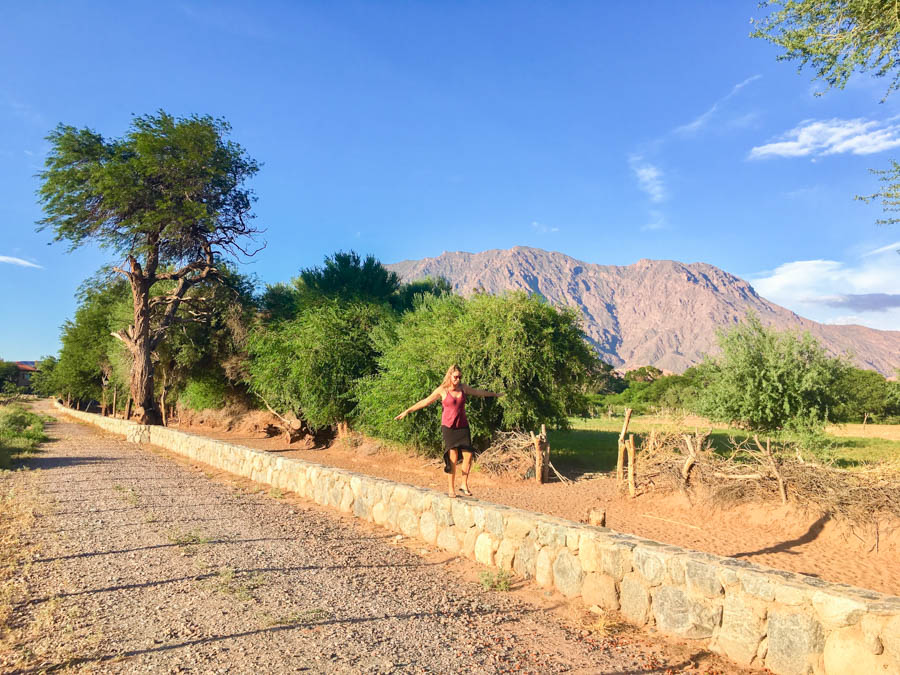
column 128, row 409
column 145, row 411
column 115, row 392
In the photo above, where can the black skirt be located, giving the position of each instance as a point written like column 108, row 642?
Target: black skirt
column 455, row 439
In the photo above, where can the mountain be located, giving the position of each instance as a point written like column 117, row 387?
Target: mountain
column 654, row 312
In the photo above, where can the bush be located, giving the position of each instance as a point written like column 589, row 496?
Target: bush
column 20, row 431
column 206, row 392
column 515, row 344
column 765, row 380
column 309, row 365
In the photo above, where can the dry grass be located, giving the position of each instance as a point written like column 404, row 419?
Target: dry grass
column 889, row 432
column 760, row 472
column 19, row 506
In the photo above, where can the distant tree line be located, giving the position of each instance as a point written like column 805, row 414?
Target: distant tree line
column 764, row 380
column 347, row 342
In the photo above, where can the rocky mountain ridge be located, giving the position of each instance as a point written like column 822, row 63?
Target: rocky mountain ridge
column 658, row 312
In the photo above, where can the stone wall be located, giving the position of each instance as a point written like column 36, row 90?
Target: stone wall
column 756, row 616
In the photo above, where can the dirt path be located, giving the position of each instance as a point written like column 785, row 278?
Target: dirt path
column 137, row 561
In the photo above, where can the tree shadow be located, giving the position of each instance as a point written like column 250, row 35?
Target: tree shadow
column 210, row 542
column 212, row 575
column 785, row 547
column 45, row 463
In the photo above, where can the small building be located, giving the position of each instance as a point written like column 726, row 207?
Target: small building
column 25, row 370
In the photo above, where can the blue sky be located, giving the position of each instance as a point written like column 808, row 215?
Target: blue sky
column 609, row 131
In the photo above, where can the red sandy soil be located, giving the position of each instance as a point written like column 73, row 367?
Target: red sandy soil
column 782, row 537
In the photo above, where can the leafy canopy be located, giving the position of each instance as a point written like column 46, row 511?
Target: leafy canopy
column 515, row 344
column 171, row 188
column 308, row 365
column 347, row 276
column 836, row 37
column 767, row 380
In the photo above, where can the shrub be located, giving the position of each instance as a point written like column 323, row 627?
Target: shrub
column 309, row 365
column 515, row 344
column 20, row 431
column 205, row 392
column 766, row 380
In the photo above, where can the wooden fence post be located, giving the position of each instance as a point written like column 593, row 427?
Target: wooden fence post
column 631, row 489
column 620, row 459
column 541, row 455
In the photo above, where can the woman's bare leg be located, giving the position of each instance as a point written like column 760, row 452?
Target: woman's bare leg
column 466, row 467
column 451, row 477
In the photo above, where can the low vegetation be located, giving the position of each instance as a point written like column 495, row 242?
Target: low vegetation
column 21, row 432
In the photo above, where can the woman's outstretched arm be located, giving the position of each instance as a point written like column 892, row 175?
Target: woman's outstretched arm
column 480, row 392
column 424, row 403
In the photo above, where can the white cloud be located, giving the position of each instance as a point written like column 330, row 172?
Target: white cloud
column 18, row 261
column 823, row 290
column 700, row 122
column 832, row 137
column 649, row 177
column 542, row 229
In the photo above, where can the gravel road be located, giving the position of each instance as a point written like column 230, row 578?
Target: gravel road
column 143, row 562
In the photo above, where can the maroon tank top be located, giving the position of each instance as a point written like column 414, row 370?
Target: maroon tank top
column 454, row 415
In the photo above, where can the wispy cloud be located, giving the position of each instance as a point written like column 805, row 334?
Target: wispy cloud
column 18, row 261
column 884, row 249
column 701, row 121
column 657, row 221
column 832, row 137
column 649, row 177
column 543, row 229
column 23, row 111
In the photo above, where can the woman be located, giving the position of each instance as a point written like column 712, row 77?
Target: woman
column 455, row 427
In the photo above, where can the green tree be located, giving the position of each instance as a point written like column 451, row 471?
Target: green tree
column 169, row 198
column 643, row 374
column 532, row 352
column 308, row 366
column 408, row 294
column 767, row 380
column 43, row 382
column 866, row 394
column 9, row 372
column 83, row 368
column 347, row 276
column 837, row 38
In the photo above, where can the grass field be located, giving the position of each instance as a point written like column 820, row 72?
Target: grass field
column 591, row 445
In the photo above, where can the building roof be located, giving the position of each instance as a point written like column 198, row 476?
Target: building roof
column 28, row 366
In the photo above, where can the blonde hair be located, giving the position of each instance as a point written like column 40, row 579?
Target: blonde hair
column 447, row 383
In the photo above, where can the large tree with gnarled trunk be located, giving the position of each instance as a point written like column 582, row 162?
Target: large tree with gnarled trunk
column 169, row 199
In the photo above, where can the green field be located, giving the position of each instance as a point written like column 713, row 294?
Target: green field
column 590, row 445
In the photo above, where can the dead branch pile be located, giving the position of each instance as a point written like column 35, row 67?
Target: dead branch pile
column 511, row 453
column 756, row 470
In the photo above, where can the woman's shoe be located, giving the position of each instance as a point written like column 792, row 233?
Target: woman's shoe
column 465, row 491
